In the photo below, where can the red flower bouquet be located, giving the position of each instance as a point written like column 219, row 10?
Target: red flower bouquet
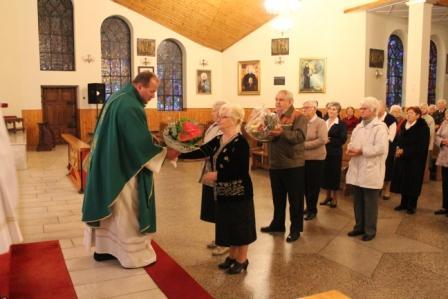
column 183, row 135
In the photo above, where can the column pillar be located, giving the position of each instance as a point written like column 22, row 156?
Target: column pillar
column 417, row 64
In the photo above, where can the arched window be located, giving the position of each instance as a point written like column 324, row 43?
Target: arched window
column 55, row 22
column 432, row 73
column 115, row 54
column 394, row 71
column 169, row 71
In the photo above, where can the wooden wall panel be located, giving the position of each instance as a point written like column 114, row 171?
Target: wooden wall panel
column 87, row 120
column 30, row 120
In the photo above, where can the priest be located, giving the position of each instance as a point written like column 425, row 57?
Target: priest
column 119, row 201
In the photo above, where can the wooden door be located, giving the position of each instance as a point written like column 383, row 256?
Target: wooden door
column 59, row 110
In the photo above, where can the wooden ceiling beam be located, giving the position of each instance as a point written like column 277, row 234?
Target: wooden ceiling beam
column 373, row 5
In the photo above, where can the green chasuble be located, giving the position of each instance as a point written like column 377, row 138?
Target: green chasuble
column 122, row 145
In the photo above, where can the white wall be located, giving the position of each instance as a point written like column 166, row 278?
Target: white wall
column 321, row 29
column 21, row 77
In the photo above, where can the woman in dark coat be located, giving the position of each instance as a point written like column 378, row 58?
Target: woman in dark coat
column 337, row 135
column 410, row 157
column 235, row 215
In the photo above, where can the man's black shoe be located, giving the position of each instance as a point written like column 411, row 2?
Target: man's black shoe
column 292, row 237
column 368, row 237
column 99, row 257
column 355, row 233
column 269, row 229
column 310, row 216
column 399, row 208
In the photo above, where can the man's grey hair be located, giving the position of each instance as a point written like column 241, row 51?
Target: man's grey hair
column 218, row 104
column 311, row 103
column 288, row 94
column 371, row 103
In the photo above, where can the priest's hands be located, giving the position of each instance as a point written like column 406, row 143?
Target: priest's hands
column 171, row 154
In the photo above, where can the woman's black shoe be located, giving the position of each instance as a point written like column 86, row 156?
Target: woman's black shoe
column 227, row 263
column 333, row 204
column 327, row 201
column 441, row 212
column 237, row 268
column 399, row 208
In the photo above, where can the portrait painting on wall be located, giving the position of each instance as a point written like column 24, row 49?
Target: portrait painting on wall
column 146, row 69
column 312, row 72
column 249, row 77
column 376, row 58
column 146, row 47
column 204, row 81
column 280, row 46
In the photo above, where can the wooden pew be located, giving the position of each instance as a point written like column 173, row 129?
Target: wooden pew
column 77, row 152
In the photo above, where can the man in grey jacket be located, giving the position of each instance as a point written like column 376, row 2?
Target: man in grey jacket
column 368, row 150
column 286, row 160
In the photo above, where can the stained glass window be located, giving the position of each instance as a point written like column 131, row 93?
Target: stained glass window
column 394, row 71
column 115, row 54
column 432, row 73
column 55, row 22
column 169, row 71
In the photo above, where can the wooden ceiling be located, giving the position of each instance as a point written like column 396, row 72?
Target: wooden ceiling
column 216, row 24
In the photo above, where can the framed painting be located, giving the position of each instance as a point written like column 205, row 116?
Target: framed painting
column 280, row 46
column 312, row 75
column 376, row 58
column 145, row 69
column 446, row 64
column 146, row 47
column 249, row 77
column 204, row 82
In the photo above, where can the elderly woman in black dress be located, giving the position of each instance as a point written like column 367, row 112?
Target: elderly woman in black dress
column 235, row 216
column 337, row 135
column 410, row 159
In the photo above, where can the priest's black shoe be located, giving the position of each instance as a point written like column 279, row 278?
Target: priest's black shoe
column 228, row 262
column 310, row 216
column 441, row 212
column 292, row 237
column 355, row 233
column 270, row 229
column 326, row 201
column 99, row 257
column 237, row 267
column 368, row 237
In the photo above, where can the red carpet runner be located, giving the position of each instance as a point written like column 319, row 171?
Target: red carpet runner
column 172, row 280
column 38, row 271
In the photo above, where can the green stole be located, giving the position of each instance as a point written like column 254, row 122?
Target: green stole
column 121, row 146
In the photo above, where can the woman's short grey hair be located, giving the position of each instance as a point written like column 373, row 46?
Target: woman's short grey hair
column 395, row 107
column 236, row 112
column 441, row 101
column 218, row 104
column 334, row 104
column 289, row 96
column 311, row 103
column 371, row 103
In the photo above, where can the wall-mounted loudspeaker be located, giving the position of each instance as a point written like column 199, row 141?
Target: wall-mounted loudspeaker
column 96, row 93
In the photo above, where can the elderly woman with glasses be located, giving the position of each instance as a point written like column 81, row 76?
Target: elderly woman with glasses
column 229, row 174
column 315, row 153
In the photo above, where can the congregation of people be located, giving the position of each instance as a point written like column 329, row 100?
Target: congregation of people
column 386, row 152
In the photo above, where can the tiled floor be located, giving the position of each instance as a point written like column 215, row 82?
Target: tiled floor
column 408, row 258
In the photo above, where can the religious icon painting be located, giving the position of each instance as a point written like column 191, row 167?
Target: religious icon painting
column 249, row 77
column 312, row 74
